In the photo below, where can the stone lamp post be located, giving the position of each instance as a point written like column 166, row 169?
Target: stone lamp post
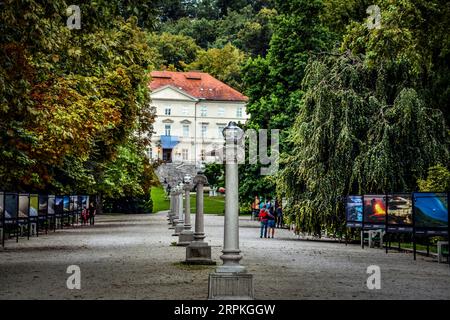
column 187, row 235
column 179, row 227
column 173, row 214
column 231, row 281
column 198, row 251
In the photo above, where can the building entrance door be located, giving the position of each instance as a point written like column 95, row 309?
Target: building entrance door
column 167, row 155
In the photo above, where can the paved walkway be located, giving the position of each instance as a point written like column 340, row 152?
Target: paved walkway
column 131, row 257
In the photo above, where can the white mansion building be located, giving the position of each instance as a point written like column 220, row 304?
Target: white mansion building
column 192, row 108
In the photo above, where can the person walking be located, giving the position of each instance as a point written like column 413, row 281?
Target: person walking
column 255, row 207
column 268, row 204
column 279, row 215
column 263, row 218
column 92, row 212
column 271, row 222
column 84, row 216
column 261, row 204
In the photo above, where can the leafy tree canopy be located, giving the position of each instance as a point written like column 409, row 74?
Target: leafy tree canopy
column 71, row 100
column 224, row 64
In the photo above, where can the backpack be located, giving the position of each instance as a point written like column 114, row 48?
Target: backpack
column 263, row 215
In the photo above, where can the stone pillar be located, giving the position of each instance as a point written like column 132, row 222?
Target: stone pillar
column 186, row 236
column 180, row 223
column 198, row 251
column 231, row 252
column 174, row 211
column 231, row 281
column 170, row 214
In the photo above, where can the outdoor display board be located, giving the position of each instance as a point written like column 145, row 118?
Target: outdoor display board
column 11, row 206
column 51, row 205
column 84, row 202
column 72, row 204
column 418, row 212
column 354, row 211
column 59, row 205
column 374, row 211
column 66, row 204
column 24, row 205
column 43, row 202
column 34, row 205
column 76, row 206
column 19, row 209
column 431, row 212
column 400, row 212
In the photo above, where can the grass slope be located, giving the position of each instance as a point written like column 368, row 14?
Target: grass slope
column 212, row 205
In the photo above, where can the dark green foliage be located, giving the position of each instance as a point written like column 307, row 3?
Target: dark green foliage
column 173, row 50
column 245, row 28
column 438, row 180
column 273, row 83
column 214, row 172
column 349, row 140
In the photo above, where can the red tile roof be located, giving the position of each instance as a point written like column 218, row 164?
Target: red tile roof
column 197, row 84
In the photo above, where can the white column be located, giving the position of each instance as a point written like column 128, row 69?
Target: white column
column 231, row 252
column 187, row 206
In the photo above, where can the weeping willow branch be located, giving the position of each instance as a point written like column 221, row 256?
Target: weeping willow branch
column 348, row 138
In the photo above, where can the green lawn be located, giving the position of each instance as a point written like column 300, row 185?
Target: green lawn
column 212, row 205
column 160, row 203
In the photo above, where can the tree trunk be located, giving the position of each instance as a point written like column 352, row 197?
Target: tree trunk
column 99, row 203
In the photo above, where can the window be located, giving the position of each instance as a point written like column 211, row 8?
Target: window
column 204, row 130
column 167, row 128
column 184, row 153
column 221, row 112
column 185, row 130
column 184, row 111
column 167, row 111
column 239, row 112
column 203, row 111
column 150, row 153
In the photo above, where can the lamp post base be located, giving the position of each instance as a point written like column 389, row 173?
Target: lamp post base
column 178, row 229
column 230, row 286
column 199, row 253
column 185, row 238
column 173, row 223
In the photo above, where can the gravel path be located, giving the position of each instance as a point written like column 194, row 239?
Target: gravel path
column 131, row 257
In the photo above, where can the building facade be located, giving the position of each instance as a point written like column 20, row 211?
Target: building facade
column 192, row 108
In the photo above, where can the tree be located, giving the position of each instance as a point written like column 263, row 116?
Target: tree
column 224, row 64
column 348, row 139
column 235, row 5
column 412, row 45
column 204, row 31
column 175, row 50
column 297, row 33
column 273, row 83
column 171, row 9
column 214, row 172
column 338, row 14
column 246, row 30
column 206, row 9
column 71, row 99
